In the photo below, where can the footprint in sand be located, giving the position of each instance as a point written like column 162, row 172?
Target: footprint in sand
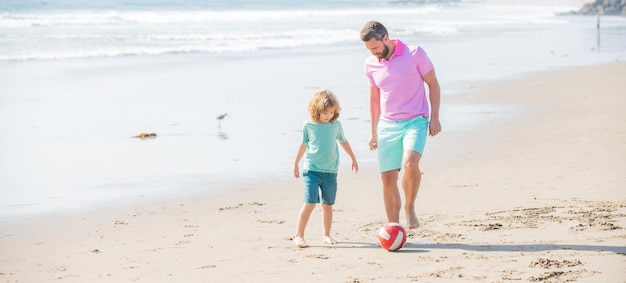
column 551, row 263
column 318, row 256
column 254, row 203
column 182, row 243
column 275, row 221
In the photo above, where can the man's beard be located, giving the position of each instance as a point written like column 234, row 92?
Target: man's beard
column 384, row 53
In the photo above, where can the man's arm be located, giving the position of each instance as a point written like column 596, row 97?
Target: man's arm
column 434, row 92
column 374, row 116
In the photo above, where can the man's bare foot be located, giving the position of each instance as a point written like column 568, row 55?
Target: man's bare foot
column 412, row 220
column 300, row 242
column 329, row 240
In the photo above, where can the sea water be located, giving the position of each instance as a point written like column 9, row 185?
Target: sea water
column 78, row 79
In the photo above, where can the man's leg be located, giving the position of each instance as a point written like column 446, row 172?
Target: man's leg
column 410, row 185
column 391, row 195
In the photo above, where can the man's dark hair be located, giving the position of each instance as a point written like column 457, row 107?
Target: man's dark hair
column 373, row 29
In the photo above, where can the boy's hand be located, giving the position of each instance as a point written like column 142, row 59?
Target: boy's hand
column 296, row 171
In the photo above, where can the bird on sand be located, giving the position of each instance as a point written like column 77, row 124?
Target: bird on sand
column 219, row 120
column 221, row 117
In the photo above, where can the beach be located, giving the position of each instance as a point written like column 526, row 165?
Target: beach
column 536, row 195
column 81, row 80
column 525, row 183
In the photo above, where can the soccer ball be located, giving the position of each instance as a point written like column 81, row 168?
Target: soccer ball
column 391, row 236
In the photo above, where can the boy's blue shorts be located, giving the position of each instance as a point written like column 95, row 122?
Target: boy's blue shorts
column 394, row 137
column 316, row 182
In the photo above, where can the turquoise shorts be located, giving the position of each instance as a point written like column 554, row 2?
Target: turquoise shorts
column 319, row 187
column 395, row 137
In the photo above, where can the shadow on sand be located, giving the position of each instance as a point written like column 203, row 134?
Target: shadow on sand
column 423, row 247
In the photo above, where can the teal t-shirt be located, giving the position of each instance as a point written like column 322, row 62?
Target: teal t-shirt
column 322, row 150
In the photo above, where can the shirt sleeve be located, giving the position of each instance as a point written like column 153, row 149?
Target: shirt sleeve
column 368, row 72
column 424, row 65
column 340, row 136
column 305, row 134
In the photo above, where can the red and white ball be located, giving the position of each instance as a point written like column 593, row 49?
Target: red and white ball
column 391, row 236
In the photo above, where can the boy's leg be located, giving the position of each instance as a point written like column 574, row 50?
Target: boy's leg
column 327, row 213
column 312, row 182
column 329, row 194
column 303, row 219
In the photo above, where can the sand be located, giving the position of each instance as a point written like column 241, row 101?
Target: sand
column 531, row 193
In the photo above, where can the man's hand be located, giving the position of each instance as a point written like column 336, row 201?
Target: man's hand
column 434, row 127
column 373, row 143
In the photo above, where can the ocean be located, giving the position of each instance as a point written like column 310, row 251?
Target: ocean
column 79, row 79
column 68, row 29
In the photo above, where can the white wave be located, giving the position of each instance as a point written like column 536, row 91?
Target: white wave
column 159, row 44
column 89, row 18
column 81, row 34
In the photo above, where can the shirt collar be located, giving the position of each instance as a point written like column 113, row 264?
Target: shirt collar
column 398, row 50
column 399, row 47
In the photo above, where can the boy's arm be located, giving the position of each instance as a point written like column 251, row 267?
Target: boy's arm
column 348, row 149
column 299, row 154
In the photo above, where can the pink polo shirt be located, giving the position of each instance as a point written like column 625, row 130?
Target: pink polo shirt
column 402, row 93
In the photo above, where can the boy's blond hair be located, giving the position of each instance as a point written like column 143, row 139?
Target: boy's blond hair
column 323, row 101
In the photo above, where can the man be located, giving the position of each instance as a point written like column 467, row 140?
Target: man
column 399, row 112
